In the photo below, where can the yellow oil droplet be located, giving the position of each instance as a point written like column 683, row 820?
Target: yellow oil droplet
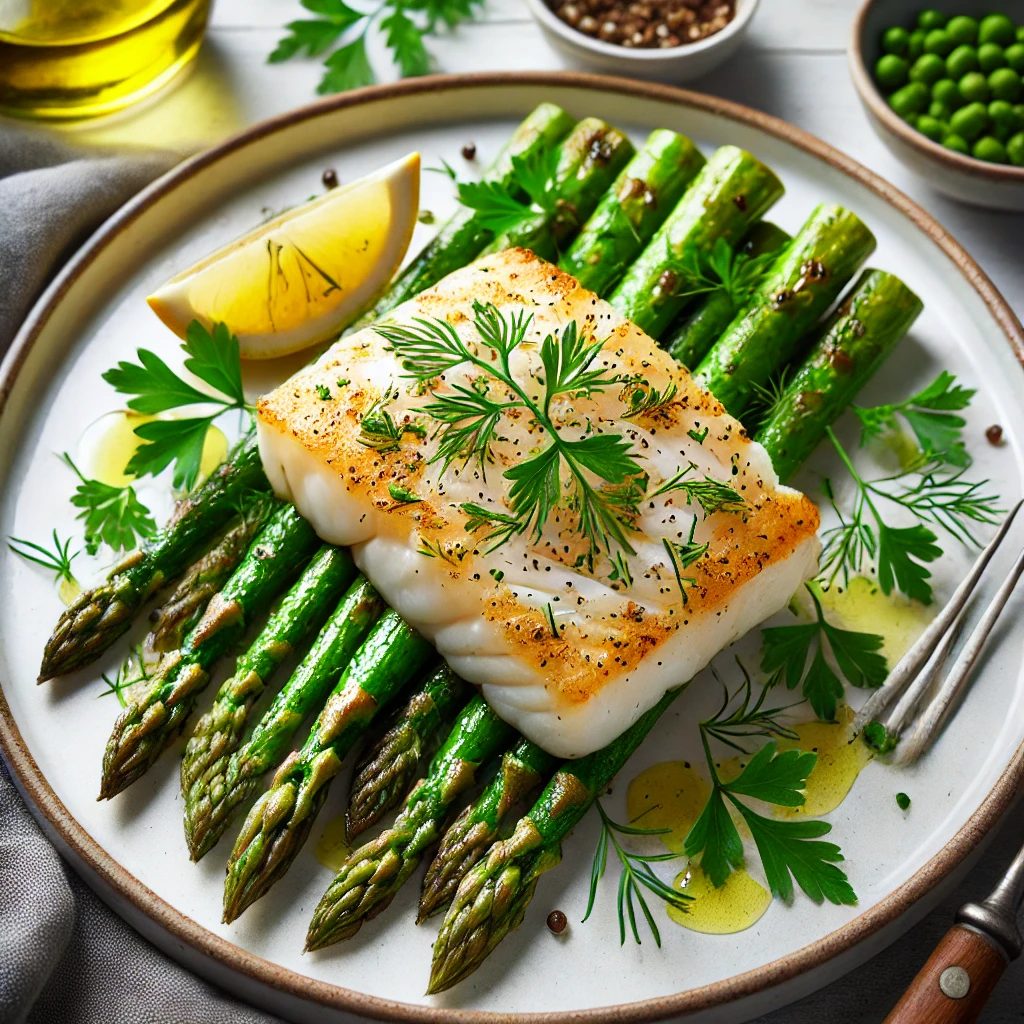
column 332, row 847
column 841, row 758
column 861, row 606
column 69, row 591
column 729, row 908
column 108, row 445
column 668, row 795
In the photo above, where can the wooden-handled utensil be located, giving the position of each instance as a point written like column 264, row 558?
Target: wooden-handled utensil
column 955, row 983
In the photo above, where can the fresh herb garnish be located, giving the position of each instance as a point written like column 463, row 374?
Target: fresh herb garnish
column 788, row 849
column 402, row 494
column 403, row 23
column 111, row 515
column 903, row 801
column 636, row 876
column 323, row 392
column 695, row 273
column 377, row 428
column 606, row 509
column 682, row 556
column 934, row 496
column 930, row 415
column 214, row 359
column 131, row 671
column 747, row 720
column 57, row 559
column 786, row 651
column 712, row 495
column 640, row 397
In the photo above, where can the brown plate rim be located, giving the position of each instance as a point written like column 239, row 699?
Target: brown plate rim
column 264, row 972
column 895, row 124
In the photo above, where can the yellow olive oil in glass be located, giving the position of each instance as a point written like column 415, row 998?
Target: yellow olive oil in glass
column 65, row 59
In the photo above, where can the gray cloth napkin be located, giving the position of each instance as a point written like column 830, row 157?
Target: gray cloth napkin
column 64, row 957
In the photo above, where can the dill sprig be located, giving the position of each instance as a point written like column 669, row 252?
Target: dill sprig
column 636, row 876
column 747, row 720
column 57, row 558
column 711, row 494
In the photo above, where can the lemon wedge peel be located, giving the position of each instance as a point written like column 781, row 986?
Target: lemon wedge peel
column 303, row 276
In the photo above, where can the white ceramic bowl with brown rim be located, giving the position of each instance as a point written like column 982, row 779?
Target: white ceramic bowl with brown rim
column 997, row 186
column 670, row 64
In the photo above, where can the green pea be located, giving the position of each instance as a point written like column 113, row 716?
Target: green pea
column 930, row 19
column 968, row 122
column 891, row 72
column 996, row 28
column 916, row 46
column 1004, row 121
column 1005, row 84
column 1015, row 149
column 1015, row 57
column 911, row 119
column 938, row 42
column 947, row 92
column 932, row 127
column 989, row 149
column 896, row 40
column 911, row 99
column 928, row 68
column 962, row 30
column 974, row 87
column 939, row 111
column 962, row 61
column 957, row 144
column 990, row 57
column 1018, row 115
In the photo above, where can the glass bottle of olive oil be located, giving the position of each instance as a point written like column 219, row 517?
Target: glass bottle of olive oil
column 65, row 59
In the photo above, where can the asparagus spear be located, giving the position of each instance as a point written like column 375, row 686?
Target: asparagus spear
column 632, row 210
column 803, row 282
column 373, row 874
column 493, row 896
column 732, row 191
column 177, row 616
column 853, row 344
column 99, row 616
column 155, row 717
column 590, row 158
column 214, row 796
column 522, row 770
column 387, row 770
column 690, row 340
column 463, row 236
column 280, row 821
column 218, row 733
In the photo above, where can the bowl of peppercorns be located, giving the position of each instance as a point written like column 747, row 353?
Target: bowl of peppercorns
column 665, row 40
column 943, row 86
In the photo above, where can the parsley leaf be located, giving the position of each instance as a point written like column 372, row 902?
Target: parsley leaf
column 111, row 515
column 773, row 777
column 502, row 207
column 156, row 386
column 315, row 37
column 714, row 835
column 786, row 650
column 215, row 359
column 177, row 441
column 406, row 43
column 902, row 553
column 347, row 68
column 930, row 415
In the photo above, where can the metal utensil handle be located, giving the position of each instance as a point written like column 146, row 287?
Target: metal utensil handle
column 956, row 982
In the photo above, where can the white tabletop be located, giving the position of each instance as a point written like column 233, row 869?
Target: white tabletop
column 792, row 65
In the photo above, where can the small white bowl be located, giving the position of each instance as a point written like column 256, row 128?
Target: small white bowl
column 672, row 64
column 996, row 186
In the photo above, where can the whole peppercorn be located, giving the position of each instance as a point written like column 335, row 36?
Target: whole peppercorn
column 330, row 178
column 994, row 435
column 469, row 151
column 557, row 922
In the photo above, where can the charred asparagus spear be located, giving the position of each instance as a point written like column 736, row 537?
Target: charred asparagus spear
column 156, row 716
column 227, row 783
column 99, row 616
column 373, row 874
column 732, row 192
column 281, row 819
column 388, row 769
column 523, row 769
column 218, row 733
column 629, row 213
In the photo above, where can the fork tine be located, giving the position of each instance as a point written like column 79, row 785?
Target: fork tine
column 939, row 709
column 908, row 667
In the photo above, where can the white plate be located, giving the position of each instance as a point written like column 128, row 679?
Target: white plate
column 132, row 848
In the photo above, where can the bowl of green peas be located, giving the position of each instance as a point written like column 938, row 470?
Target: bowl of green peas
column 944, row 89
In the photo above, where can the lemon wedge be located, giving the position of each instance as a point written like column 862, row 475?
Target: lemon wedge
column 302, row 277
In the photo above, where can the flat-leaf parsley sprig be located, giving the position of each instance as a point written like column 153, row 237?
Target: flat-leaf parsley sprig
column 606, row 509
column 214, row 359
column 636, row 875
column 788, row 849
column 110, row 515
column 787, row 648
column 723, row 269
column 404, row 24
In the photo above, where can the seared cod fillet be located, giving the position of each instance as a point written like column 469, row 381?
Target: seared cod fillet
column 571, row 631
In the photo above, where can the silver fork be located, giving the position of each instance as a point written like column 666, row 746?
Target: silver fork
column 910, row 706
